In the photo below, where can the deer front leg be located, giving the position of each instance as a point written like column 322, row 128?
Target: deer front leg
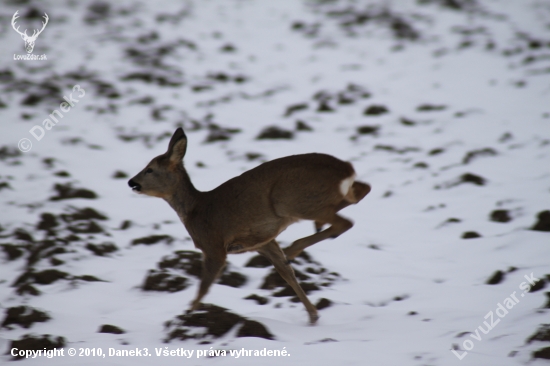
column 212, row 265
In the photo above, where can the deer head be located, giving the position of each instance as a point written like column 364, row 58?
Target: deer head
column 29, row 40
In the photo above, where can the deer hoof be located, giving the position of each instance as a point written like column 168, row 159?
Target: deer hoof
column 313, row 319
column 194, row 306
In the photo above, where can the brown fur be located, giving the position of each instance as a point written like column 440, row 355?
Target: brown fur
column 248, row 212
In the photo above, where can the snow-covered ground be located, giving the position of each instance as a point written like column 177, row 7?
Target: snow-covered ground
column 443, row 106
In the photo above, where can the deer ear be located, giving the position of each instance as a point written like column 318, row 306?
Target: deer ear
column 177, row 146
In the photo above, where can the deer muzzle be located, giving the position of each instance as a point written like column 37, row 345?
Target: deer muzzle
column 136, row 187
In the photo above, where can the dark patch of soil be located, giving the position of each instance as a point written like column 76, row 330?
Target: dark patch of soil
column 108, row 328
column 430, row 108
column 119, row 174
column 211, row 321
column 470, row 235
column 464, row 178
column 451, row 220
column 472, row 178
column 43, row 249
column 376, row 110
column 188, row 261
column 357, row 91
column 394, row 149
column 458, row 5
column 251, row 156
column 47, row 222
column 501, row 216
column 49, row 163
column 62, row 174
column 352, row 17
column 171, row 79
column 125, row 224
column 542, row 334
column 275, row 133
column 164, row 281
column 543, row 353
column 87, row 278
column 86, row 227
column 543, row 223
column 295, row 108
column 258, row 261
column 102, row 249
column 105, row 89
column 302, row 126
column 9, row 152
column 407, row 122
column 496, row 278
column 5, row 185
column 323, row 303
column 289, row 291
column 35, row 343
column 218, row 133
column 27, row 289
column 12, row 251
column 86, row 213
column 324, row 106
column 259, row 299
column 223, row 77
column 45, row 277
column 228, row 48
column 368, row 130
column 506, row 137
column 540, row 284
column 66, row 191
column 191, row 263
column 252, row 328
column 478, row 153
column 345, row 97
column 22, row 234
column 153, row 239
column 436, row 151
column 232, row 279
column 309, row 30
column 24, row 316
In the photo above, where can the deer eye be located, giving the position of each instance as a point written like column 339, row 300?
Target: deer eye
column 149, row 170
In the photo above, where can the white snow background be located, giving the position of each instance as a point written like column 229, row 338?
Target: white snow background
column 466, row 86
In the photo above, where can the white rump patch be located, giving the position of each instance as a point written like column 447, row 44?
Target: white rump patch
column 346, row 185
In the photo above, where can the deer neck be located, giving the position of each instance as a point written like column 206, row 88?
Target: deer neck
column 184, row 197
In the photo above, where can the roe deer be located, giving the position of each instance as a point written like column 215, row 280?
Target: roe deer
column 248, row 212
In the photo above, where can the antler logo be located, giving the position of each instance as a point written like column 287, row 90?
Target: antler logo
column 29, row 40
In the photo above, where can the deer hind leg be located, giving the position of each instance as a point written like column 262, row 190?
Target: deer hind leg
column 211, row 268
column 338, row 226
column 353, row 192
column 275, row 255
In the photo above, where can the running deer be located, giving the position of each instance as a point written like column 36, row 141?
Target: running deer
column 248, row 212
